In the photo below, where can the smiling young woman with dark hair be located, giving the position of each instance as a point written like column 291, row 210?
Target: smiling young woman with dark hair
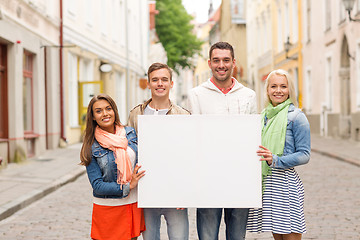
column 109, row 153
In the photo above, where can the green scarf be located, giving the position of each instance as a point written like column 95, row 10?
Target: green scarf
column 273, row 133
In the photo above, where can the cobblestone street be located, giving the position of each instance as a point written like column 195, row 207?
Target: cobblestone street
column 332, row 205
column 332, row 199
column 194, row 102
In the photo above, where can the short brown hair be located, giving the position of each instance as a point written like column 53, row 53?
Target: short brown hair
column 222, row 45
column 157, row 66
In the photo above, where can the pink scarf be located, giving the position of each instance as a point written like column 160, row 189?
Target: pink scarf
column 118, row 144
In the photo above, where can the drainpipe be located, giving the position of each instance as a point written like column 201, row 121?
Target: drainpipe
column 300, row 57
column 141, row 37
column 62, row 130
column 127, row 57
column 46, row 97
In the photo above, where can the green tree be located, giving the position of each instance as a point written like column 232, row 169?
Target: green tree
column 175, row 32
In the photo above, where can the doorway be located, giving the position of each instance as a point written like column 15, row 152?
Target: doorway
column 4, row 127
column 345, row 93
column 87, row 90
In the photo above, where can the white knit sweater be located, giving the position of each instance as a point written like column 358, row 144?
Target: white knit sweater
column 208, row 99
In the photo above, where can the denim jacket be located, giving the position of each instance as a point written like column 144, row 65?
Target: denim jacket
column 297, row 141
column 102, row 170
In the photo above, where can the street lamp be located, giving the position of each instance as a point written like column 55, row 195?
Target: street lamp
column 287, row 46
column 349, row 4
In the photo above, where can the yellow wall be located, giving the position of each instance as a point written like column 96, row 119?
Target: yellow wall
column 202, row 71
column 294, row 55
column 235, row 34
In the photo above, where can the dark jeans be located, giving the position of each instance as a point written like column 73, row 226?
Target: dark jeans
column 208, row 223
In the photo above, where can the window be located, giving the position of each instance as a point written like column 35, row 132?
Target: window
column 328, row 84
column 122, row 25
column 73, row 91
column 295, row 21
column 268, row 32
column 104, row 19
column 116, row 21
column 280, row 35
column 28, row 92
column 294, row 74
column 296, row 82
column 120, row 82
column 89, row 13
column 132, row 29
column 51, row 9
column 86, row 70
column 308, row 20
column 3, row 93
column 268, row 40
column 342, row 11
column 358, row 76
column 327, row 15
column 287, row 20
column 258, row 39
column 263, row 34
column 308, row 92
column 72, row 7
column 89, row 89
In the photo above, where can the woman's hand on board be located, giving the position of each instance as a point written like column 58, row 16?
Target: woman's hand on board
column 136, row 176
column 266, row 155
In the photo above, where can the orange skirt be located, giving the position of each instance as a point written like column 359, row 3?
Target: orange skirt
column 117, row 222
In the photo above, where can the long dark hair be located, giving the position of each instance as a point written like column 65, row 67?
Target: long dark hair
column 89, row 133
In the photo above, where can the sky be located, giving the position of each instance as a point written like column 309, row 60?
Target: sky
column 200, row 7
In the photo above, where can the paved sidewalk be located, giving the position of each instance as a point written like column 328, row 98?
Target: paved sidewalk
column 22, row 184
column 344, row 150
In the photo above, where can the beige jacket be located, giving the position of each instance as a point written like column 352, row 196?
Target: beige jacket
column 139, row 110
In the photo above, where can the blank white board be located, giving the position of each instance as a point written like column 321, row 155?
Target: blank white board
column 206, row 161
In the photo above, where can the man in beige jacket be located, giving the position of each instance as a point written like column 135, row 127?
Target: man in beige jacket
column 160, row 83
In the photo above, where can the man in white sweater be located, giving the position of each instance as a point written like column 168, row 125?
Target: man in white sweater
column 222, row 94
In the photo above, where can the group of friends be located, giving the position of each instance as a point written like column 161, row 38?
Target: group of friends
column 109, row 153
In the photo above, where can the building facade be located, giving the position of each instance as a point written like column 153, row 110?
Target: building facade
column 106, row 46
column 332, row 68
column 316, row 43
column 274, row 41
column 259, row 39
column 206, row 32
column 54, row 56
column 287, row 26
column 29, row 77
column 233, row 30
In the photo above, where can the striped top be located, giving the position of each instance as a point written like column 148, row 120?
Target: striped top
column 283, row 205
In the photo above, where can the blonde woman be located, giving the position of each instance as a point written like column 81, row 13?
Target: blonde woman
column 285, row 144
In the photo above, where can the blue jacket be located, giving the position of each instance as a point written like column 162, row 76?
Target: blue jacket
column 102, row 170
column 297, row 141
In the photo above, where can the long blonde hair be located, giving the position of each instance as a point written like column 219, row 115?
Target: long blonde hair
column 291, row 86
column 89, row 133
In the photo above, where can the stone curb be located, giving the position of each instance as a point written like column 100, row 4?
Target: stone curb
column 337, row 157
column 17, row 204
